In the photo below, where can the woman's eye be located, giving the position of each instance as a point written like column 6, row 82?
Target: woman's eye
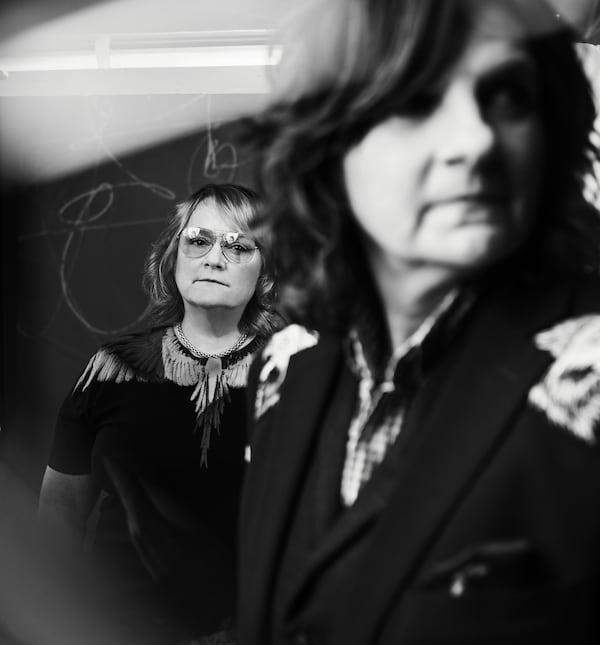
column 241, row 247
column 510, row 101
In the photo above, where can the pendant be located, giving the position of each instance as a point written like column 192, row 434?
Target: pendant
column 212, row 371
column 213, row 367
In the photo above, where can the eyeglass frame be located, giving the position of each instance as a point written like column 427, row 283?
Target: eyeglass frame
column 218, row 235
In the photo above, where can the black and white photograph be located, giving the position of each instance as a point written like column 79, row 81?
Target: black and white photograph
column 300, row 322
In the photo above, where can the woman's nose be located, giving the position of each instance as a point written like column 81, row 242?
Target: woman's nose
column 465, row 135
column 215, row 256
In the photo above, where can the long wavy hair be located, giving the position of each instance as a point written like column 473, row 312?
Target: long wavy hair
column 349, row 64
column 240, row 206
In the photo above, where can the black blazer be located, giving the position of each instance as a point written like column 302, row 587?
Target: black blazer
column 491, row 533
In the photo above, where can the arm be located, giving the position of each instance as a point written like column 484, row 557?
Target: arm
column 69, row 490
column 66, row 502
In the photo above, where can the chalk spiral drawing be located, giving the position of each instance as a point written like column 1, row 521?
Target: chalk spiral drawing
column 214, row 148
column 87, row 212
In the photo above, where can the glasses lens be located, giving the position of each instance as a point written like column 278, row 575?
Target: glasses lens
column 196, row 242
column 240, row 250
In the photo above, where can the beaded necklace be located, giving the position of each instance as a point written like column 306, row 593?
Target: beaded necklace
column 183, row 339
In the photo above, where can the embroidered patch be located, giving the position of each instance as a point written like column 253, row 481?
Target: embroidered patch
column 276, row 356
column 569, row 393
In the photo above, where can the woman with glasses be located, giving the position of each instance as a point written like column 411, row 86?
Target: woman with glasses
column 425, row 450
column 154, row 428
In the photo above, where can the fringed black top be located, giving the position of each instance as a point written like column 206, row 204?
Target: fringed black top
column 163, row 437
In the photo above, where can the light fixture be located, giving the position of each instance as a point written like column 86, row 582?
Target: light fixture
column 239, row 48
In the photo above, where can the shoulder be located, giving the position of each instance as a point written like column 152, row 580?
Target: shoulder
column 272, row 365
column 577, row 331
column 135, row 356
column 289, row 341
column 569, row 391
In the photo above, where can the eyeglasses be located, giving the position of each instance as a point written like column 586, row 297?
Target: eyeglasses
column 196, row 242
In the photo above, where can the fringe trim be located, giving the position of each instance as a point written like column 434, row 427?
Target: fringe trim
column 212, row 391
column 106, row 366
column 211, row 380
column 179, row 367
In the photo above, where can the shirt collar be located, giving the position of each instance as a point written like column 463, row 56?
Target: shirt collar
column 446, row 314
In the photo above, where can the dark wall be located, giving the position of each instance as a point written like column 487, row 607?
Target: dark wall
column 73, row 254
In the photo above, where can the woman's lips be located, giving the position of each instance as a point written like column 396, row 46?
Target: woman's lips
column 211, row 281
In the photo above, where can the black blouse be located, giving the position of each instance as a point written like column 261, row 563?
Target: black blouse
column 141, row 442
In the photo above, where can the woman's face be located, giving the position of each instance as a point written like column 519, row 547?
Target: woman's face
column 456, row 183
column 213, row 281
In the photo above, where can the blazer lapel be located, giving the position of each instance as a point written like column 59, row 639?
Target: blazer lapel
column 280, row 455
column 458, row 419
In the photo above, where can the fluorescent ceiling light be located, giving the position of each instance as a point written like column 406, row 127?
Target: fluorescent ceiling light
column 250, row 56
column 150, row 51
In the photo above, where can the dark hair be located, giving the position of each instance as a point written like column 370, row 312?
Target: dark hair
column 363, row 60
column 241, row 206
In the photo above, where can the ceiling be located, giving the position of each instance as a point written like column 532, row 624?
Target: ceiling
column 33, row 35
column 140, row 15
column 57, row 120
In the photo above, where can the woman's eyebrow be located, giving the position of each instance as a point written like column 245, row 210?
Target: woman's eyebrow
column 522, row 67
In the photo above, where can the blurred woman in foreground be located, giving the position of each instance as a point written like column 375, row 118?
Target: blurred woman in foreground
column 425, row 461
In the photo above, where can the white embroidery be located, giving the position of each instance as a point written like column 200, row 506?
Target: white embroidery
column 276, row 356
column 570, row 390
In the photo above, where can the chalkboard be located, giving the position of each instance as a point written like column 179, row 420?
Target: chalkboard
column 79, row 244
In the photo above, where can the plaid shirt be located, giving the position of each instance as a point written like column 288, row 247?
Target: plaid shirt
column 377, row 420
